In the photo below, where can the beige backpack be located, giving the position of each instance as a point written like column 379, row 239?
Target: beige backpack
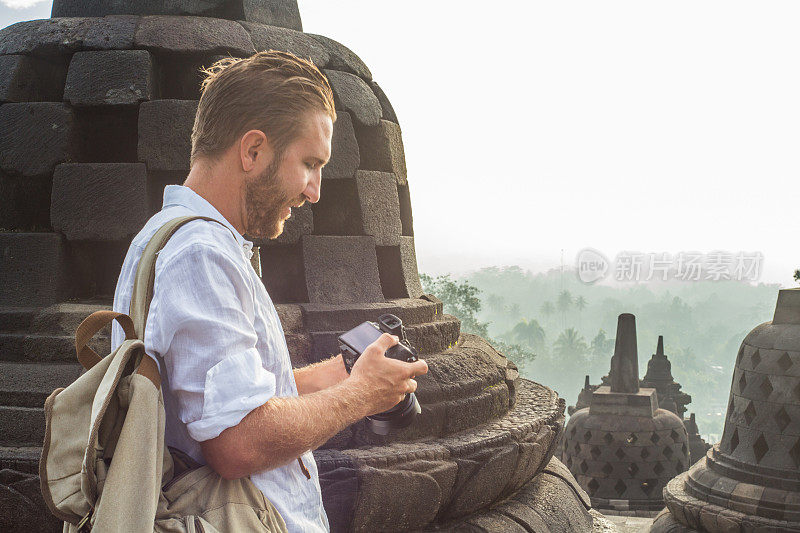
column 104, row 465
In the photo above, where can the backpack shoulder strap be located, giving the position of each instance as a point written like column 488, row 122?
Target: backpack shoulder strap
column 146, row 271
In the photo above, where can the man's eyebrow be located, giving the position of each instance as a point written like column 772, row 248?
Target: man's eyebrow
column 321, row 162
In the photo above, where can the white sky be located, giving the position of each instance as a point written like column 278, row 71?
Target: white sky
column 535, row 127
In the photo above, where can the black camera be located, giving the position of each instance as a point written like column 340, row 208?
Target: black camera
column 354, row 342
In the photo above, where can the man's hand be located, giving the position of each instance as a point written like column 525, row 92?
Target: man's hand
column 384, row 381
column 283, row 429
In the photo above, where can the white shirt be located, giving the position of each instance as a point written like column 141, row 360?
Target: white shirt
column 219, row 343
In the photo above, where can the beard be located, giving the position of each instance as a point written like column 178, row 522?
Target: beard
column 265, row 203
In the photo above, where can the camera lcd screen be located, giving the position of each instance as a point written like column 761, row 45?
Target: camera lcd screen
column 361, row 336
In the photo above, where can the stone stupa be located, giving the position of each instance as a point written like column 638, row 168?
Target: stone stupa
column 659, row 377
column 97, row 107
column 623, row 448
column 750, row 481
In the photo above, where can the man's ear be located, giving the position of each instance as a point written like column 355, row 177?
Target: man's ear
column 254, row 150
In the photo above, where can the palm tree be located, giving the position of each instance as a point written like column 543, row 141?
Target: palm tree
column 528, row 332
column 570, row 345
column 580, row 304
column 564, row 302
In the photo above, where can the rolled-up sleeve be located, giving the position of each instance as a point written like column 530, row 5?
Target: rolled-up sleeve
column 201, row 324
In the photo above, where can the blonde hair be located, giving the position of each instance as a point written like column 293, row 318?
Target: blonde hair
column 269, row 91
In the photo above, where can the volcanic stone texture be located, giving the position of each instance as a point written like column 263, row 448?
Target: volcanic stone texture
column 30, row 79
column 345, row 154
column 99, row 201
column 35, row 137
column 33, row 268
column 341, row 269
column 165, row 131
column 382, row 149
column 352, row 94
column 283, row 13
column 111, row 77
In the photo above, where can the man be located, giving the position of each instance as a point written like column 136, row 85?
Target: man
column 261, row 136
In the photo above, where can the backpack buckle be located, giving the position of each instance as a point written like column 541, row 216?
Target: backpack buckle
column 84, row 525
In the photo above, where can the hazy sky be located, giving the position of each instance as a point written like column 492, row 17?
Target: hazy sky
column 536, row 127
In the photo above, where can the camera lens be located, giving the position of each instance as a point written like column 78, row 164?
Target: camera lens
column 399, row 416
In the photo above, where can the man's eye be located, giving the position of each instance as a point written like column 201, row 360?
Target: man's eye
column 311, row 166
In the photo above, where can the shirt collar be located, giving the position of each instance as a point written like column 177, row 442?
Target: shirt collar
column 186, row 197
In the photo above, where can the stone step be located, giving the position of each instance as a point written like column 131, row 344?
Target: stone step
column 64, row 318
column 29, row 384
column 22, row 426
column 16, row 318
column 35, row 347
column 20, row 458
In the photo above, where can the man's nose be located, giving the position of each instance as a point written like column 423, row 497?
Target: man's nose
column 314, row 189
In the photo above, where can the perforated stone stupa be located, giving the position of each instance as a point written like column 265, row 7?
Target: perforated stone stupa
column 623, row 448
column 750, row 481
column 96, row 110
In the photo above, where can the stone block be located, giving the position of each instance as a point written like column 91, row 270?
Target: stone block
column 45, row 36
column 398, row 270
column 342, row 58
column 30, row 79
column 109, row 77
column 338, row 211
column 406, row 217
column 33, row 269
column 481, row 477
column 199, row 35
column 341, row 270
column 96, row 266
column 386, row 105
column 107, row 134
column 284, row 13
column 285, row 40
column 111, row 32
column 341, row 487
column 283, row 274
column 381, row 148
column 22, row 426
column 345, row 156
column 351, row 93
column 35, row 137
column 24, row 203
column 324, row 317
column 165, row 134
column 99, row 201
column 380, row 206
column 415, row 497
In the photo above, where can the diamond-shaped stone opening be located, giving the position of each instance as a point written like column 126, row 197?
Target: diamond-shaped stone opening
column 739, row 356
column 609, row 438
column 668, row 452
column 645, row 454
column 632, row 438
column 577, row 448
column 797, row 392
column 734, row 440
column 648, row 485
column 620, row 487
column 760, row 448
column 658, row 468
column 749, row 413
column 794, row 453
column 587, row 436
column 675, row 436
column 766, row 387
column 620, row 453
column 633, row 469
column 607, row 469
column 755, row 359
column 785, row 362
column 679, row 467
column 595, row 451
column 593, row 485
column 683, row 449
column 583, row 467
column 654, row 438
column 782, row 418
column 573, row 431
column 742, row 383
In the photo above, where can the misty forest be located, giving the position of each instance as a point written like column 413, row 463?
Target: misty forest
column 558, row 329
